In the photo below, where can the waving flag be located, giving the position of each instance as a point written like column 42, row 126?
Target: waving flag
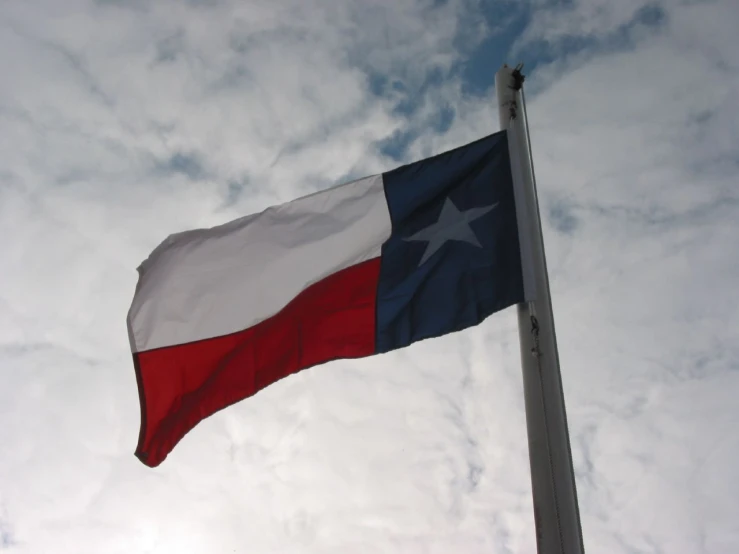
column 359, row 269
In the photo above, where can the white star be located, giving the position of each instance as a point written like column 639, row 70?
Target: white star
column 451, row 225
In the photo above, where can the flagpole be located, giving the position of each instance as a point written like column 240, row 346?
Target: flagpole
column 556, row 512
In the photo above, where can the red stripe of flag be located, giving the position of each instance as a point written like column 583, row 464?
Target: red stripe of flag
column 181, row 385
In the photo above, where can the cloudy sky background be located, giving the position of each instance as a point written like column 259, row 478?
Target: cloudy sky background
column 122, row 121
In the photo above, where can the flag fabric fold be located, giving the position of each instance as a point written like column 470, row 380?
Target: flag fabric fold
column 359, row 269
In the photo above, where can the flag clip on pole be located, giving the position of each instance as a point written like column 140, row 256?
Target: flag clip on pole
column 556, row 512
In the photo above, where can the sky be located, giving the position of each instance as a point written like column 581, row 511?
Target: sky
column 122, row 121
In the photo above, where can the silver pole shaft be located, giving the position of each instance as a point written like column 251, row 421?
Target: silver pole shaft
column 556, row 512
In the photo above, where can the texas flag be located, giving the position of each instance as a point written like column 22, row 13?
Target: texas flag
column 355, row 270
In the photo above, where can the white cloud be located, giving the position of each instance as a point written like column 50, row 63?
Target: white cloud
column 125, row 121
column 636, row 158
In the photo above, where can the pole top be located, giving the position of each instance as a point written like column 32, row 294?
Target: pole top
column 514, row 75
column 508, row 82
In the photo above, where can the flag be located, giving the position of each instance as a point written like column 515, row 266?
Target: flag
column 359, row 269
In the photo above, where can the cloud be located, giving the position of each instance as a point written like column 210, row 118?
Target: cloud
column 6, row 536
column 125, row 121
column 626, row 148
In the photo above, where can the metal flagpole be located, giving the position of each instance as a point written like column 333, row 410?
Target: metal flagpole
column 556, row 512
